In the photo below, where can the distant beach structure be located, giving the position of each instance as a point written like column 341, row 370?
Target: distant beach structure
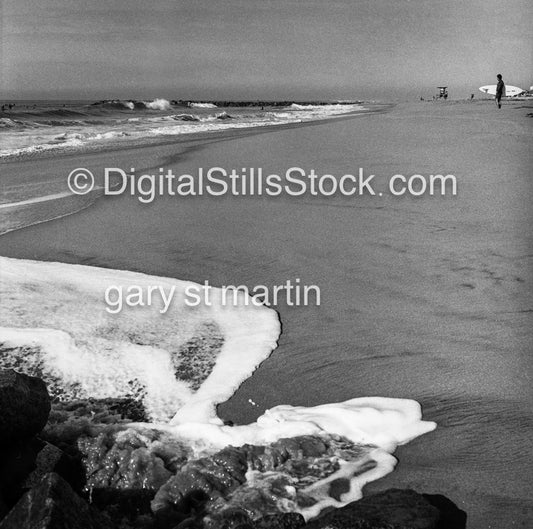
column 443, row 92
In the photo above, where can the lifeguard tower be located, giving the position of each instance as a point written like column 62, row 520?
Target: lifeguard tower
column 443, row 92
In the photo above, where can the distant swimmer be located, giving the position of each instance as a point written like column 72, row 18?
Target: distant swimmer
column 500, row 90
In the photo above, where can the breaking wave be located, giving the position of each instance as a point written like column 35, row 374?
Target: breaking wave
column 31, row 131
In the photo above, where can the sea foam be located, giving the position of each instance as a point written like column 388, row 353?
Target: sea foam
column 58, row 311
column 54, row 324
column 33, row 133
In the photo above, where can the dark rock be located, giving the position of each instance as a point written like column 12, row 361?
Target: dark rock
column 22, row 467
column 168, row 517
column 4, row 509
column 25, row 406
column 52, row 459
column 123, row 505
column 16, row 463
column 52, row 504
column 212, row 476
column 290, row 520
column 451, row 517
column 231, row 519
column 393, row 509
column 126, row 460
column 222, row 476
column 261, row 103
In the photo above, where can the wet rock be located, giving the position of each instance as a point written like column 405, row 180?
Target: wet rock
column 222, row 476
column 50, row 458
column 52, row 504
column 290, row 520
column 25, row 406
column 230, row 519
column 212, row 476
column 16, row 463
column 123, row 505
column 128, row 459
column 392, row 509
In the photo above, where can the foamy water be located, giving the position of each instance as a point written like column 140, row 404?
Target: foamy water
column 60, row 310
column 26, row 130
column 54, row 324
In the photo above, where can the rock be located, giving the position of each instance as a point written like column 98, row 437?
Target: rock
column 231, row 519
column 290, row 520
column 52, row 504
column 16, row 463
column 126, row 459
column 451, row 517
column 4, row 509
column 222, row 476
column 393, row 509
column 211, row 476
column 23, row 465
column 25, row 406
column 52, row 459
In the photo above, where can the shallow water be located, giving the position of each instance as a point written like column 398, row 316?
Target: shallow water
column 53, row 127
column 424, row 298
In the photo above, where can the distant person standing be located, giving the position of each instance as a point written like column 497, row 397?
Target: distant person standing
column 500, row 90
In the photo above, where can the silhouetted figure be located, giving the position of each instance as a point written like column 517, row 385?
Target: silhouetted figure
column 471, row 96
column 500, row 90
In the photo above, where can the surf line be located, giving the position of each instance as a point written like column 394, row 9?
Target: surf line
column 45, row 198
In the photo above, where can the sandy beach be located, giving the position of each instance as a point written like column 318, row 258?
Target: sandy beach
column 426, row 298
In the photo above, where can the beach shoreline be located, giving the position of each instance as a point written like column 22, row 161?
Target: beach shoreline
column 105, row 130
column 461, row 313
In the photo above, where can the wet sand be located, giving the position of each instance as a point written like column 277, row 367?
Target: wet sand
column 426, row 298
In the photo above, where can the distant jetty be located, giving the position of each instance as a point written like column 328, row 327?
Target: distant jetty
column 265, row 103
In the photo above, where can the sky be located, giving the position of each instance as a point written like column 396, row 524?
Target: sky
column 261, row 49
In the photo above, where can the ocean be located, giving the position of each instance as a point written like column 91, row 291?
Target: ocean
column 30, row 127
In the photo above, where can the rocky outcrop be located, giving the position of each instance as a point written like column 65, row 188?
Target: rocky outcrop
column 224, row 474
column 52, row 504
column 259, row 103
column 394, row 509
column 390, row 509
column 50, row 458
column 26, row 501
column 146, row 479
column 25, row 406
